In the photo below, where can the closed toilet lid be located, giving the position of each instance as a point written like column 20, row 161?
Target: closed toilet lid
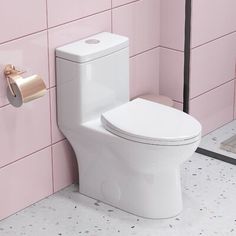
column 152, row 123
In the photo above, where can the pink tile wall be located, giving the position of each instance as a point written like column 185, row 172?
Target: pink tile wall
column 65, row 167
column 234, row 99
column 213, row 62
column 178, row 105
column 172, row 24
column 171, row 73
column 212, row 19
column 17, row 21
column 23, row 182
column 24, row 130
column 63, row 11
column 144, row 71
column 30, row 139
column 214, row 108
column 140, row 22
column 172, row 49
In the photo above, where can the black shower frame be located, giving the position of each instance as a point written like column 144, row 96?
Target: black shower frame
column 187, row 58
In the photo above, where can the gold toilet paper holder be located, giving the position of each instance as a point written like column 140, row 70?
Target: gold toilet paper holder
column 23, row 89
column 11, row 74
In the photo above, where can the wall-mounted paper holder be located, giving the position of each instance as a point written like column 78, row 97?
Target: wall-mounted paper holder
column 22, row 89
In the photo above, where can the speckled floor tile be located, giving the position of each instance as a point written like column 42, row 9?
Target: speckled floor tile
column 209, row 193
column 213, row 140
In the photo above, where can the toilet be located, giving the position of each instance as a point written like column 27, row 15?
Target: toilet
column 129, row 152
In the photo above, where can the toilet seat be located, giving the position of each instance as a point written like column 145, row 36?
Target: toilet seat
column 151, row 123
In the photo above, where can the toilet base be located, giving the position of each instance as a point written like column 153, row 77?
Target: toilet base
column 138, row 178
column 144, row 195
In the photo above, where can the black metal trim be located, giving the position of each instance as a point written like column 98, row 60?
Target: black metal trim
column 187, row 54
column 216, row 155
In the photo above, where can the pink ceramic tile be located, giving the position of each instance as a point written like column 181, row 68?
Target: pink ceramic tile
column 178, row 105
column 212, row 19
column 171, row 74
column 212, row 64
column 56, row 133
column 215, row 108
column 74, row 31
column 24, row 183
column 116, row 3
column 234, row 98
column 173, row 24
column 20, row 18
column 29, row 53
column 140, row 21
column 24, row 130
column 144, row 73
column 65, row 167
column 62, row 11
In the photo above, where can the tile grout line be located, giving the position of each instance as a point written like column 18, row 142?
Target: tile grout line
column 173, row 49
column 52, row 162
column 52, row 27
column 125, row 4
column 24, row 36
column 81, row 18
column 156, row 47
column 212, row 89
column 46, row 12
column 49, row 80
column 39, row 150
column 213, row 40
column 111, row 17
column 177, row 101
column 50, row 103
column 51, row 145
column 147, row 50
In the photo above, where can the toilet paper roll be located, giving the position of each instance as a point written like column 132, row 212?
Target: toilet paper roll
column 25, row 89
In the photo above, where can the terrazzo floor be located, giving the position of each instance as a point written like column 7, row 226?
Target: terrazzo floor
column 213, row 140
column 209, row 194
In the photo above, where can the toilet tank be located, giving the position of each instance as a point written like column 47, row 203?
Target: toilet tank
column 92, row 77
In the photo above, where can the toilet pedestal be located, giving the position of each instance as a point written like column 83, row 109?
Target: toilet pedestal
column 141, row 181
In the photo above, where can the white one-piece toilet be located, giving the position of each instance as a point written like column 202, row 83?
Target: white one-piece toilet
column 129, row 152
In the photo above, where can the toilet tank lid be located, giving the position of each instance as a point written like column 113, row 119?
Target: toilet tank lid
column 93, row 47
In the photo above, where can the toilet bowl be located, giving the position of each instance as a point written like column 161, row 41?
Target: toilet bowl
column 128, row 152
